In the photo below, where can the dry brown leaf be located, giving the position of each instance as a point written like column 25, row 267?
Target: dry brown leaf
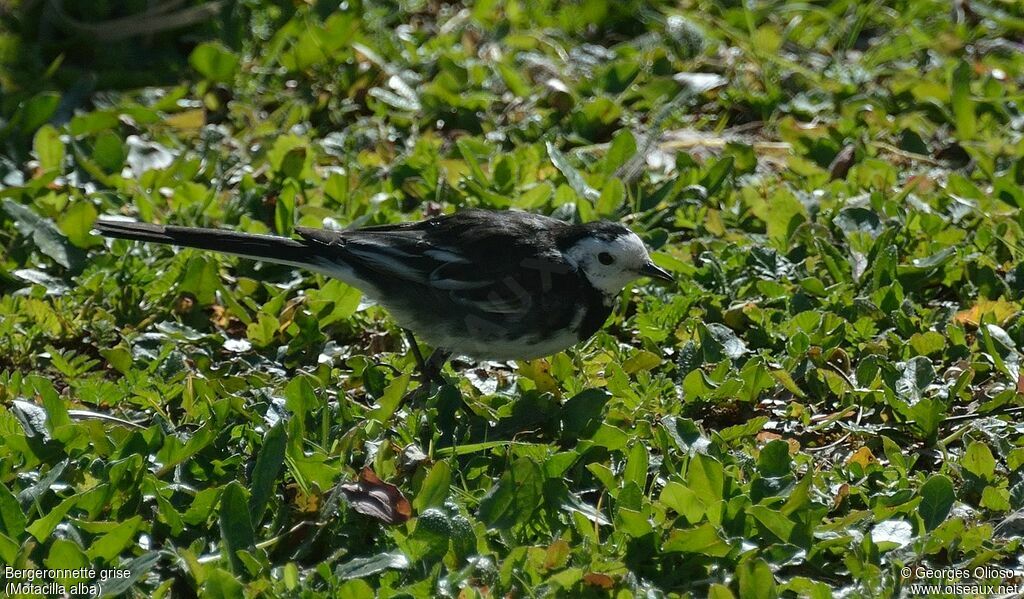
column 184, row 303
column 305, row 503
column 187, row 120
column 841, row 494
column 557, row 554
column 862, row 456
column 219, row 316
column 596, row 579
column 1000, row 309
column 842, row 163
column 539, row 371
column 373, row 497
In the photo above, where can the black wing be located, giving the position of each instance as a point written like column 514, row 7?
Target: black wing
column 495, row 262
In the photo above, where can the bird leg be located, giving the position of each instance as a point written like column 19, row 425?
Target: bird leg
column 435, row 363
column 430, row 369
column 415, row 351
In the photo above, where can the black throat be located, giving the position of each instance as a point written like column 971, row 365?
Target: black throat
column 597, row 309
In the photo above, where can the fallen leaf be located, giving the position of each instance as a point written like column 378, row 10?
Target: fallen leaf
column 305, row 503
column 842, row 163
column 189, row 120
column 841, row 494
column 862, row 456
column 1000, row 309
column 557, row 554
column 219, row 316
column 539, row 371
column 596, row 579
column 373, row 497
column 184, row 303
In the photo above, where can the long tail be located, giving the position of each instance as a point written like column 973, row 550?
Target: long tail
column 261, row 247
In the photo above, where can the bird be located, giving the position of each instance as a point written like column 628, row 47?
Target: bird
column 488, row 285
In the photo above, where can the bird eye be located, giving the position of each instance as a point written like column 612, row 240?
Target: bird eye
column 605, row 258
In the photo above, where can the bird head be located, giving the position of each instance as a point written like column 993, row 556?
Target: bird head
column 611, row 256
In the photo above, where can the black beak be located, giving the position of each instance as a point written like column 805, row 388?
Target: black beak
column 656, row 272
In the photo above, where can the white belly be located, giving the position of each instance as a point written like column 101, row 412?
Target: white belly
column 506, row 349
column 491, row 344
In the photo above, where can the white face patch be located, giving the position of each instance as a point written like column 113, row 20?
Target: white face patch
column 609, row 265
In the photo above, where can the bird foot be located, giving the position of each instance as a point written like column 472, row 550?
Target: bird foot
column 430, row 369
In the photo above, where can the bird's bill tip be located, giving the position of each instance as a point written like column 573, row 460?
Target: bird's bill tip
column 654, row 271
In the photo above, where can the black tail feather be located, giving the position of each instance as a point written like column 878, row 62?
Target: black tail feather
column 262, row 247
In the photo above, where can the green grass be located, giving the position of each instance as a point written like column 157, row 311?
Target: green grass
column 828, row 395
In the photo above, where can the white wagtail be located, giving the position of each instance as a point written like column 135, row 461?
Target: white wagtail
column 488, row 285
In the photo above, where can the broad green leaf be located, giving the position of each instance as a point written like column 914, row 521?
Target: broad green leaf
column 113, row 543
column 978, row 460
column 291, row 156
column 236, row 529
column 76, row 223
column 641, row 361
column 431, row 537
column 201, row 278
column 109, row 152
column 637, row 462
column 56, row 409
column 435, row 488
column 719, row 342
column 622, row 148
column 300, row 397
column 222, row 585
column 266, row 471
column 928, row 415
column 996, row 499
column 43, row 527
column 67, row 556
column 774, row 459
column 706, row 477
column 37, row 110
column 45, row 234
column 917, row 374
column 774, row 521
column 683, row 500
column 610, row 437
column 9, row 549
column 515, row 496
column 214, row 61
column 612, row 197
column 572, row 176
column 702, row 540
column 937, row 497
column 12, row 519
column 342, row 301
column 48, row 147
column 359, row 567
column 392, row 397
column 963, row 104
column 634, row 523
column 756, row 580
column 927, row 343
